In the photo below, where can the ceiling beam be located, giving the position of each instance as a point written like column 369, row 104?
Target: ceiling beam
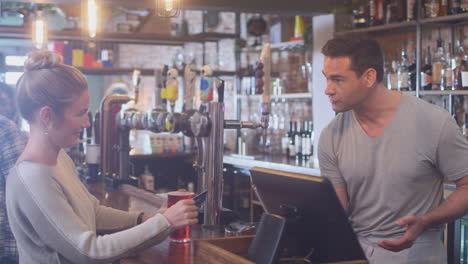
column 311, row 7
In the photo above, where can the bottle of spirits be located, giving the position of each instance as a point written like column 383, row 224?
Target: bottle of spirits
column 311, row 138
column 412, row 74
column 291, row 150
column 431, row 8
column 298, row 139
column 447, row 80
column 305, row 149
column 443, row 9
column 438, row 66
column 460, row 80
column 426, row 72
column 394, row 76
column 403, row 84
column 411, row 10
column 372, row 11
column 454, row 7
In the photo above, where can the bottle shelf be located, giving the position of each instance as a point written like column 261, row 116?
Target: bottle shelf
column 119, row 71
column 453, row 92
column 382, row 28
column 280, row 45
column 410, row 25
column 123, row 38
column 452, row 19
column 285, row 96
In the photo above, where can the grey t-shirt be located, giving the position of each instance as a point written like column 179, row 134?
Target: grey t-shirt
column 398, row 173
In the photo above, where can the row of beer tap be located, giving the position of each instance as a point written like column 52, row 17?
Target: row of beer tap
column 206, row 124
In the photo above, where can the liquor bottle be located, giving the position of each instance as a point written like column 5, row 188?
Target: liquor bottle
column 305, row 150
column 393, row 76
column 376, row 8
column 403, row 72
column 448, row 74
column 400, row 10
column 454, row 7
column 460, row 80
column 412, row 74
column 438, row 66
column 297, row 139
column 443, row 9
column 410, row 10
column 292, row 137
column 431, row 8
column 311, row 137
column 426, row 72
column 286, row 139
column 463, row 6
column 465, row 126
column 372, row 9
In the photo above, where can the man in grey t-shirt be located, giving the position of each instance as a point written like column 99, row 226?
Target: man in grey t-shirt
column 387, row 155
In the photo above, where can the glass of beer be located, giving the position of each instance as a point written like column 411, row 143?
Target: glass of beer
column 183, row 234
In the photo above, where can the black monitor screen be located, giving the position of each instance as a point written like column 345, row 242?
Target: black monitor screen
column 320, row 225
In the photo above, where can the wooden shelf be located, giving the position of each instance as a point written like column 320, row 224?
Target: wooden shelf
column 120, row 71
column 383, row 28
column 128, row 38
column 285, row 96
column 165, row 155
column 452, row 92
column 451, row 19
column 281, row 45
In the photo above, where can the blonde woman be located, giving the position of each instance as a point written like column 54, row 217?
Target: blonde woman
column 52, row 215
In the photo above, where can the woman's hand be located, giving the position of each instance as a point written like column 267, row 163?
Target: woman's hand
column 182, row 214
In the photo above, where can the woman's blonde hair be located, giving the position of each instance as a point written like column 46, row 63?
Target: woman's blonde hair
column 47, row 82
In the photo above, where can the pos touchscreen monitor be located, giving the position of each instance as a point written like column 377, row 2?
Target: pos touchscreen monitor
column 318, row 228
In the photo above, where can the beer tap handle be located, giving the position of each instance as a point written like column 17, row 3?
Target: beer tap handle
column 189, row 84
column 206, row 84
column 136, row 80
column 265, row 59
column 221, row 91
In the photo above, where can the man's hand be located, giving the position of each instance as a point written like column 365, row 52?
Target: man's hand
column 414, row 227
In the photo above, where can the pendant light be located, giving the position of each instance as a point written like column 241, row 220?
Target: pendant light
column 92, row 9
column 39, row 30
column 168, row 8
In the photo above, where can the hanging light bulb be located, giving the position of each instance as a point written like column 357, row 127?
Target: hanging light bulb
column 39, row 31
column 92, row 18
column 168, row 8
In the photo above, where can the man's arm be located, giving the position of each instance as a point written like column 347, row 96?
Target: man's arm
column 343, row 197
column 454, row 207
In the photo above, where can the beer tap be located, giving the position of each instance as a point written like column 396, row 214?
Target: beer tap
column 206, row 124
column 264, row 85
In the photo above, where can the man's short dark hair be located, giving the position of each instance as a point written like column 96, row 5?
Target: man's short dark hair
column 363, row 51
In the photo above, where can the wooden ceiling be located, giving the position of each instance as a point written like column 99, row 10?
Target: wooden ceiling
column 302, row 7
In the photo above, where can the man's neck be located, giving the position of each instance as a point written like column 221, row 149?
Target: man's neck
column 379, row 107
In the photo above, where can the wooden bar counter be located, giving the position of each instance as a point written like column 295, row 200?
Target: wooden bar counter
column 130, row 198
column 208, row 246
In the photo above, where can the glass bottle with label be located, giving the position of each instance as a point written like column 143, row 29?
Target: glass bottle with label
column 448, row 75
column 410, row 10
column 426, row 72
column 438, row 66
column 292, row 137
column 412, row 74
column 403, row 84
column 298, row 139
column 431, row 8
column 454, row 6
column 461, row 70
column 443, row 9
column 393, row 76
